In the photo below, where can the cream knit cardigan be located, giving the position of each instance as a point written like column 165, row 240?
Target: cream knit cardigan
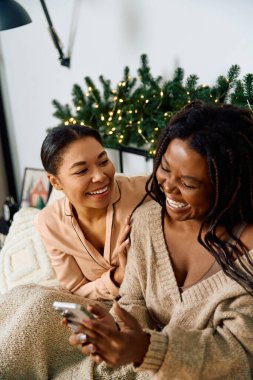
column 204, row 333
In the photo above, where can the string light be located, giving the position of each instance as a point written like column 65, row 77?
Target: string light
column 78, row 108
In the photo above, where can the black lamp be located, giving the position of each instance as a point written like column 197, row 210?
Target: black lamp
column 12, row 15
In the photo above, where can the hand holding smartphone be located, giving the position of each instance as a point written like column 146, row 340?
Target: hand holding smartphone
column 73, row 312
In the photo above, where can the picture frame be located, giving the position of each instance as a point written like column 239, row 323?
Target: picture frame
column 35, row 188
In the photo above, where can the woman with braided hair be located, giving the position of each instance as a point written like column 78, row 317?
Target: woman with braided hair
column 186, row 307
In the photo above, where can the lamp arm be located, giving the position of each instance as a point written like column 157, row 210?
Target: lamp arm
column 65, row 61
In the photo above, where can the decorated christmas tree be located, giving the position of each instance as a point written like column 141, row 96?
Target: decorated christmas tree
column 138, row 108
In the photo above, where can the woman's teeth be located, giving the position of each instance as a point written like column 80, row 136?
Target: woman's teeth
column 176, row 204
column 101, row 191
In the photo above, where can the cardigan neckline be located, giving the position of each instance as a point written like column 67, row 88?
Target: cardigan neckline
column 197, row 292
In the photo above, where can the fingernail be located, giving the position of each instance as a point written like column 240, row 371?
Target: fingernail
column 127, row 241
column 82, row 338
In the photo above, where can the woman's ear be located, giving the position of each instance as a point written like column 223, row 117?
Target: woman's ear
column 54, row 181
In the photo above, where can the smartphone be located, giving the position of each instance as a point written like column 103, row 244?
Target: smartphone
column 73, row 312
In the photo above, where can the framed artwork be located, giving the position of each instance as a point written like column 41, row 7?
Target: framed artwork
column 35, row 188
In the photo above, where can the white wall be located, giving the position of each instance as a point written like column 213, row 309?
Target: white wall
column 204, row 37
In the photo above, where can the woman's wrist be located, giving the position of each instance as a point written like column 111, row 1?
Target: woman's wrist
column 145, row 342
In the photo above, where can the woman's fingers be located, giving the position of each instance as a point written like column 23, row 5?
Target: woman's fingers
column 129, row 321
column 97, row 310
column 124, row 231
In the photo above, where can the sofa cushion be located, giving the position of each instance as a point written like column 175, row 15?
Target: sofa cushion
column 23, row 258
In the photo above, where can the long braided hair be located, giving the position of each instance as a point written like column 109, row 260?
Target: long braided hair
column 224, row 137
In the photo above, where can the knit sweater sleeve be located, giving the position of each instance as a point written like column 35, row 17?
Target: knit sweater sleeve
column 224, row 351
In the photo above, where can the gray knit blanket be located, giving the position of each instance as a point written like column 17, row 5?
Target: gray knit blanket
column 34, row 345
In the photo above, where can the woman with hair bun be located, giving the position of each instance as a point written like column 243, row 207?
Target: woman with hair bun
column 86, row 232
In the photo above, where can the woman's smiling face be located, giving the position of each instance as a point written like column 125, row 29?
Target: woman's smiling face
column 183, row 177
column 85, row 174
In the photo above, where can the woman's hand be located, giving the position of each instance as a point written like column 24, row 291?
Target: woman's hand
column 121, row 250
column 101, row 315
column 116, row 348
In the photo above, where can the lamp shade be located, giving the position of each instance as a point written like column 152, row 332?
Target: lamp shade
column 12, row 15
